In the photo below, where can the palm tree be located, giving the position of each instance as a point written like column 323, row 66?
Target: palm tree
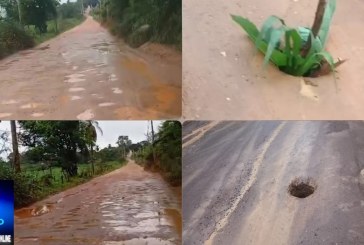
column 91, row 137
column 14, row 139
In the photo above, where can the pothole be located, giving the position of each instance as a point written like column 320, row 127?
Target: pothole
column 32, row 212
column 302, row 188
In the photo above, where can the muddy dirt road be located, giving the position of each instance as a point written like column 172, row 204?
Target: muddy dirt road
column 219, row 62
column 86, row 73
column 127, row 206
column 236, row 178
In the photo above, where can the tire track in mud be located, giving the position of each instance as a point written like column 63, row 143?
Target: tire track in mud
column 252, row 178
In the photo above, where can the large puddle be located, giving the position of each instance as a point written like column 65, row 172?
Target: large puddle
column 33, row 212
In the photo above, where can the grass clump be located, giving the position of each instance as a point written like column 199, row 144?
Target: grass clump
column 13, row 38
column 53, row 29
column 296, row 51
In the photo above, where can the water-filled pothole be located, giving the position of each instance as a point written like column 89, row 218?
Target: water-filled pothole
column 302, row 188
column 32, row 212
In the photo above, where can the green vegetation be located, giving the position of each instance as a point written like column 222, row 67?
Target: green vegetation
column 295, row 51
column 53, row 29
column 143, row 20
column 58, row 155
column 26, row 23
column 35, row 182
column 165, row 154
column 13, row 38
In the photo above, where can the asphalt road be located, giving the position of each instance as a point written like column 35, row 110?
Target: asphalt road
column 236, row 177
column 86, row 73
column 126, row 207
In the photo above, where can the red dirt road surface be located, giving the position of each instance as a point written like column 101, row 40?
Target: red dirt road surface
column 128, row 206
column 86, row 73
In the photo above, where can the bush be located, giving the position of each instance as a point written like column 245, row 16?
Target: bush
column 25, row 192
column 69, row 10
column 13, row 38
column 127, row 19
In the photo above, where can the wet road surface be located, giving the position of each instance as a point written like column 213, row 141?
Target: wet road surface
column 128, row 206
column 236, row 177
column 86, row 73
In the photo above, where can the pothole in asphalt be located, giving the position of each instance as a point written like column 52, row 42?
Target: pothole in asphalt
column 302, row 188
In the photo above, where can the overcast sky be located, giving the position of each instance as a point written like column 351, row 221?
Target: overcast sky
column 136, row 130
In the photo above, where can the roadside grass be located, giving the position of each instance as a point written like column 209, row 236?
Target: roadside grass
column 63, row 25
column 134, row 29
column 14, row 37
column 51, row 181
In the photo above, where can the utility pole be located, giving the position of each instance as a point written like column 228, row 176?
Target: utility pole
column 82, row 8
column 151, row 124
column 19, row 11
column 14, row 139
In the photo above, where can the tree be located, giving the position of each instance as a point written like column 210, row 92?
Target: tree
column 91, row 137
column 63, row 140
column 4, row 142
column 168, row 147
column 11, row 9
column 16, row 155
column 37, row 12
column 124, row 143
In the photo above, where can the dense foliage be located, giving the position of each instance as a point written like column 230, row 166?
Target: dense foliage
column 61, row 140
column 13, row 38
column 166, row 152
column 56, row 155
column 28, row 22
column 144, row 20
column 24, row 193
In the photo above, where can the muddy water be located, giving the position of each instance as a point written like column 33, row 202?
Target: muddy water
column 128, row 206
column 86, row 73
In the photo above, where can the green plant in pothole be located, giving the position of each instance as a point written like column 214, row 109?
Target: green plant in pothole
column 296, row 51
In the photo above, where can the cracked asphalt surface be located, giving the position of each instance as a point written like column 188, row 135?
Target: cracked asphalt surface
column 236, row 177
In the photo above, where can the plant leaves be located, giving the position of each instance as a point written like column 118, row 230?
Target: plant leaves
column 275, row 38
column 277, row 57
column 326, row 23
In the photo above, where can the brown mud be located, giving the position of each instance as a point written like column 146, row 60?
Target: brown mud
column 127, row 206
column 86, row 73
